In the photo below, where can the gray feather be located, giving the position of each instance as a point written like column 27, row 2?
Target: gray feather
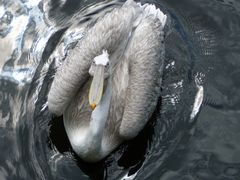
column 106, row 34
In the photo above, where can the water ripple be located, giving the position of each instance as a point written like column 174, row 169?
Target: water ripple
column 194, row 131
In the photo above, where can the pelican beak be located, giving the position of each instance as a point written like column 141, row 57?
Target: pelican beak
column 96, row 88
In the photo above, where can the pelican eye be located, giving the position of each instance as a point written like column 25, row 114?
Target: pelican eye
column 107, row 65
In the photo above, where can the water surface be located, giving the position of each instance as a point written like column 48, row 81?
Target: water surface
column 186, row 138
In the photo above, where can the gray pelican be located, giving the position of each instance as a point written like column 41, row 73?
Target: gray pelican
column 109, row 85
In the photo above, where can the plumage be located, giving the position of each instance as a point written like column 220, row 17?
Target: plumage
column 132, row 35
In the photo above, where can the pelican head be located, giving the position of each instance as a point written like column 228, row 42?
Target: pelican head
column 99, row 70
column 109, row 84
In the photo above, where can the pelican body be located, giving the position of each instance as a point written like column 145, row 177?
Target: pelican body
column 109, row 85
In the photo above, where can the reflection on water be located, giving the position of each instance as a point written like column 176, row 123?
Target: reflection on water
column 194, row 131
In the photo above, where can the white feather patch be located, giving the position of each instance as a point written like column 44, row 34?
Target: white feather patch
column 102, row 59
column 150, row 9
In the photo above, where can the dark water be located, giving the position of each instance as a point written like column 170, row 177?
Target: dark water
column 181, row 141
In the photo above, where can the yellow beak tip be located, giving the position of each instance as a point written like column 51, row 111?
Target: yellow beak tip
column 93, row 106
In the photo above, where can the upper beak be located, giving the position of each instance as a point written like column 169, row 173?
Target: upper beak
column 96, row 88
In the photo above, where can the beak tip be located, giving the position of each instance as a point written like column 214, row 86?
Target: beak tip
column 93, row 106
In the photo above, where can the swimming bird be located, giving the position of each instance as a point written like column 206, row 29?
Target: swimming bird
column 109, row 84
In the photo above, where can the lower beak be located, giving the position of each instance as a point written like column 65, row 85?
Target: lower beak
column 96, row 88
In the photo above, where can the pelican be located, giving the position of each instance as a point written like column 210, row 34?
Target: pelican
column 109, row 84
